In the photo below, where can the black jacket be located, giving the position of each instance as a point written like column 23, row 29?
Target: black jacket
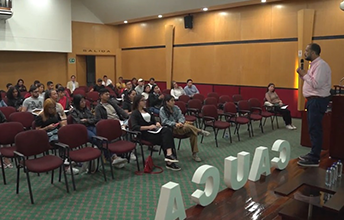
column 78, row 114
column 16, row 103
column 154, row 100
column 136, row 121
column 102, row 114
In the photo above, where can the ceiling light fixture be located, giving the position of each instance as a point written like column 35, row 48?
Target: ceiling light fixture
column 159, row 16
column 263, row 1
column 205, row 9
column 125, row 22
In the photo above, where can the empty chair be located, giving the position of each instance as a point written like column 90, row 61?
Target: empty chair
column 213, row 101
column 85, row 88
column 35, row 143
column 256, row 107
column 199, row 97
column 210, row 119
column 79, row 91
column 8, row 132
column 25, row 118
column 182, row 106
column 184, row 98
column 93, row 97
column 7, row 111
column 244, row 107
column 223, row 99
column 231, row 115
column 194, row 108
column 74, row 138
column 214, row 95
column 237, row 98
column 166, row 91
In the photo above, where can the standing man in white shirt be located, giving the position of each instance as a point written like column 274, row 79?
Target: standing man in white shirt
column 72, row 84
column 106, row 81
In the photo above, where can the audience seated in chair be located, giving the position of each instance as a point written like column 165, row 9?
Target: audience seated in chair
column 98, row 86
column 190, row 89
column 272, row 99
column 20, row 86
column 176, row 90
column 144, row 122
column 33, row 102
column 63, row 99
column 171, row 116
column 146, row 91
column 106, row 81
column 128, row 101
column 155, row 99
column 128, row 87
column 59, row 108
column 72, row 84
column 140, row 87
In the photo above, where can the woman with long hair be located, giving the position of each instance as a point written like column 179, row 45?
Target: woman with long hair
column 14, row 98
column 172, row 116
column 143, row 121
column 176, row 90
column 146, row 91
column 155, row 99
column 275, row 102
column 128, row 101
column 82, row 115
column 20, row 86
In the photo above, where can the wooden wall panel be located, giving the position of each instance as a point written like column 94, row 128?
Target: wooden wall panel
column 81, row 75
column 105, row 65
column 144, row 64
column 31, row 66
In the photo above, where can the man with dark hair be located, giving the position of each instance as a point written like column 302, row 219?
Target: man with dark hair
column 50, row 85
column 151, row 82
column 190, row 89
column 35, row 83
column 8, row 85
column 106, row 81
column 316, row 89
column 108, row 109
column 33, row 102
column 98, row 86
column 72, row 84
column 128, row 87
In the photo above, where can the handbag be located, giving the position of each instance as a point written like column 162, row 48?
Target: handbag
column 149, row 167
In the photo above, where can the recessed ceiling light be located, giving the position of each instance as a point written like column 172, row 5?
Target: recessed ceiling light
column 159, row 16
column 205, row 9
column 125, row 22
column 263, row 1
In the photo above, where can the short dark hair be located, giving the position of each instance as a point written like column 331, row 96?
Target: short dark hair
column 49, row 83
column 8, row 85
column 72, row 76
column 32, row 88
column 36, row 82
column 102, row 91
column 105, row 76
column 61, row 89
column 316, row 48
column 58, row 85
column 189, row 80
column 99, row 80
column 151, row 79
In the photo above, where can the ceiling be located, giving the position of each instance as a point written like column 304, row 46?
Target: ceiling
column 116, row 11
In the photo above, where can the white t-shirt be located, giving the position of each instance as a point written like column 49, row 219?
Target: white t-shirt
column 31, row 103
column 108, row 82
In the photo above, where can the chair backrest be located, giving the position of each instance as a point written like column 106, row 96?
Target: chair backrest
column 198, row 96
column 184, row 98
column 253, row 102
column 237, row 98
column 209, row 111
column 230, row 107
column 7, row 111
column 195, row 103
column 225, row 98
column 68, row 92
column 109, row 128
column 92, row 96
column 70, row 119
column 79, row 91
column 214, row 95
column 244, row 105
column 3, row 94
column 182, row 106
column 8, row 132
column 23, row 94
column 85, row 88
column 166, row 91
column 210, row 101
column 25, row 118
column 73, row 135
column 32, row 142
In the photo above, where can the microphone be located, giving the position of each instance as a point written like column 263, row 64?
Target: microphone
column 302, row 63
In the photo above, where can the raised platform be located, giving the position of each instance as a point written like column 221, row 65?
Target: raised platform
column 258, row 200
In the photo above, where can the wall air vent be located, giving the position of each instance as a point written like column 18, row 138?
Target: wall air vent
column 5, row 9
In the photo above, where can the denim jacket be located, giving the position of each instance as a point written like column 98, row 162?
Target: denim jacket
column 171, row 119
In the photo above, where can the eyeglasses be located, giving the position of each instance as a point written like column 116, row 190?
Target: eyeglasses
column 143, row 100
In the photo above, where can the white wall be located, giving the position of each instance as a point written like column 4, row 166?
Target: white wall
column 81, row 13
column 38, row 25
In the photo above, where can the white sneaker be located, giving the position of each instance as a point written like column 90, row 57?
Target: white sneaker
column 75, row 171
column 293, row 126
column 118, row 160
column 119, row 166
column 289, row 127
column 205, row 133
column 132, row 156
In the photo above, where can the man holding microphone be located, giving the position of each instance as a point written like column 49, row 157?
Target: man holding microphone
column 316, row 89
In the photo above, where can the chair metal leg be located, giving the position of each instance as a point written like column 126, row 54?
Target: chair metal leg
column 3, row 170
column 137, row 160
column 65, row 176
column 72, row 174
column 142, row 155
column 251, row 128
column 52, row 177
column 18, row 171
column 180, row 140
column 29, row 185
column 101, row 160
column 111, row 168
column 60, row 173
column 261, row 126
column 215, row 132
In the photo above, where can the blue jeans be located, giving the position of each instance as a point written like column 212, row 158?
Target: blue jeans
column 316, row 109
column 91, row 132
column 154, row 110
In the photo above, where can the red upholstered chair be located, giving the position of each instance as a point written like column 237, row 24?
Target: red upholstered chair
column 214, row 95
column 195, row 108
column 213, row 101
column 231, row 115
column 256, row 107
column 69, row 119
column 79, row 91
column 166, row 91
column 93, row 97
column 85, row 88
column 184, row 98
column 199, row 97
column 35, row 143
column 24, row 94
column 7, row 111
column 109, row 133
column 210, row 119
column 244, row 107
column 237, row 98
column 8, row 132
column 182, row 106
column 74, row 139
column 223, row 99
column 25, row 118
